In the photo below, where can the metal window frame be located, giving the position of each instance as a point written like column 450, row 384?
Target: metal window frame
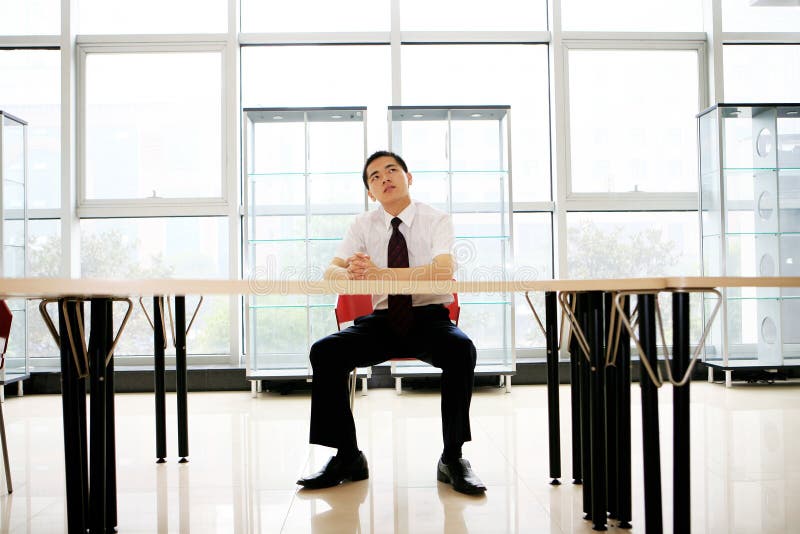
column 150, row 207
column 711, row 90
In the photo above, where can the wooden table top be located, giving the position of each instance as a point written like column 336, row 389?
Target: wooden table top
column 86, row 287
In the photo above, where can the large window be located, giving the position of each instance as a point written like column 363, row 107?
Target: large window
column 630, row 244
column 152, row 16
column 633, row 15
column 173, row 247
column 44, row 259
column 632, row 120
column 760, row 16
column 153, row 126
column 315, row 16
column 470, row 15
column 762, row 73
column 29, row 89
column 31, row 17
column 533, row 260
column 337, row 76
column 514, row 75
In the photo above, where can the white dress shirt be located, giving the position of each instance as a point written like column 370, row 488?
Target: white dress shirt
column 428, row 233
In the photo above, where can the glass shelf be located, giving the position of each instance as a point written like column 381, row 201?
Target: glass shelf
column 257, row 175
column 737, row 234
column 750, row 169
column 495, row 237
column 289, row 306
column 758, row 169
column 464, row 171
column 292, row 240
column 760, row 297
column 303, row 239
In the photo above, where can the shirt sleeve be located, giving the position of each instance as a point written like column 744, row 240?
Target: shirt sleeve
column 353, row 242
column 443, row 236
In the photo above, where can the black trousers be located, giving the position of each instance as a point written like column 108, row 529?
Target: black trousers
column 433, row 339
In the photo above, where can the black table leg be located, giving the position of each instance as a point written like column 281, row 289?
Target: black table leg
column 180, row 374
column 73, row 388
column 597, row 411
column 612, row 404
column 680, row 415
column 98, row 348
column 623, row 444
column 650, row 433
column 582, row 314
column 575, row 354
column 159, row 341
column 111, row 441
column 554, row 428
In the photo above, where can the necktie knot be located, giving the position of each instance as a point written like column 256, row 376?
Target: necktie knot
column 396, row 222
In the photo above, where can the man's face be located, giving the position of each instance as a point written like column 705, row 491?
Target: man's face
column 387, row 181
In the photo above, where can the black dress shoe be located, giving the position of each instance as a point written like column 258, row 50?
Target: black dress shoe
column 460, row 475
column 336, row 471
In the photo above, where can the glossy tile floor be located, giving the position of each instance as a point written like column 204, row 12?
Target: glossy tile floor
column 246, row 454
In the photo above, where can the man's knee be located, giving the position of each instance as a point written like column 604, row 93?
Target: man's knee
column 323, row 353
column 470, row 353
column 462, row 354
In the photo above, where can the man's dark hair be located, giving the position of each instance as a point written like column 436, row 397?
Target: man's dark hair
column 381, row 154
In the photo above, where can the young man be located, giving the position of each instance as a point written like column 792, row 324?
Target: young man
column 402, row 240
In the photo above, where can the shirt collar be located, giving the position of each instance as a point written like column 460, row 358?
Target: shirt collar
column 407, row 215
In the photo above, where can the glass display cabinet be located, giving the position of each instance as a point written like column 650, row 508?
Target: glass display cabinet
column 302, row 176
column 460, row 159
column 14, row 232
column 750, row 224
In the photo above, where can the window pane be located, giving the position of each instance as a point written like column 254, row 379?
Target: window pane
column 185, row 247
column 44, row 259
column 759, row 16
column 362, row 76
column 30, row 17
column 514, row 75
column 533, row 260
column 466, row 15
column 625, row 244
column 153, row 16
column 628, row 244
column 632, row 120
column 153, row 125
column 315, row 16
column 632, row 15
column 762, row 73
column 30, row 89
column 44, row 247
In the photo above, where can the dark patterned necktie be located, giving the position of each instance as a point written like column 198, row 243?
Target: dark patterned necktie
column 400, row 314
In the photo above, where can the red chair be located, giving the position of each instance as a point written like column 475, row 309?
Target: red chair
column 5, row 331
column 350, row 307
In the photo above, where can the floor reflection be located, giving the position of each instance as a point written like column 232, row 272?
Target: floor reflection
column 247, row 454
column 337, row 509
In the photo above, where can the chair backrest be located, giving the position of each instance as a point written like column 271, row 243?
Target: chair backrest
column 5, row 329
column 350, row 307
column 455, row 309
